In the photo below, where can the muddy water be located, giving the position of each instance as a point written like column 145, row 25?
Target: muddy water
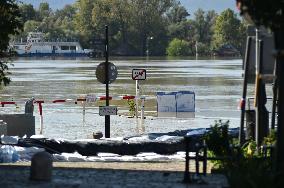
column 216, row 83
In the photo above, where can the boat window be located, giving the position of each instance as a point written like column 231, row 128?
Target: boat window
column 64, row 47
column 72, row 47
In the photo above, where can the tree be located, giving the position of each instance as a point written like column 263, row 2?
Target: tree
column 10, row 24
column 31, row 25
column 228, row 29
column 148, row 20
column 27, row 12
column 179, row 26
column 44, row 11
column 64, row 20
column 115, row 14
column 177, row 13
column 83, row 21
column 178, row 47
column 203, row 24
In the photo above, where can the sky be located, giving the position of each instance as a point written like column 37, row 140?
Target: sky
column 191, row 5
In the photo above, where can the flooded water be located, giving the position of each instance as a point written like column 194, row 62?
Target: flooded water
column 217, row 85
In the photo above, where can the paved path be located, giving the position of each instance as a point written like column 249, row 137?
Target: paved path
column 18, row 177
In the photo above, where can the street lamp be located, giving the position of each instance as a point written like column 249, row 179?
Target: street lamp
column 196, row 49
column 147, row 45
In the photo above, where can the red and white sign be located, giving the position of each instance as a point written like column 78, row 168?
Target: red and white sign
column 139, row 74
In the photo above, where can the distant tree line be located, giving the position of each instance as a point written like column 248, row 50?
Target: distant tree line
column 156, row 27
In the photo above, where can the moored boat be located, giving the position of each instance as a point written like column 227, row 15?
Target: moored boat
column 36, row 46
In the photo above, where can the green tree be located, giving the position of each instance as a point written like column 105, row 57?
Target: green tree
column 148, row 20
column 228, row 29
column 27, row 12
column 115, row 14
column 83, row 21
column 10, row 24
column 178, row 47
column 31, row 25
column 177, row 13
column 44, row 11
column 203, row 30
column 179, row 26
column 64, row 20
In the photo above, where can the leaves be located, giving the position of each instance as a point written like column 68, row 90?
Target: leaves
column 178, row 47
column 10, row 24
column 228, row 30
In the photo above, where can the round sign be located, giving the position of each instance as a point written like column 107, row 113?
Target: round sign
column 112, row 72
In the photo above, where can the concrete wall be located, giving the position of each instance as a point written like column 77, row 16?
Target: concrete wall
column 19, row 124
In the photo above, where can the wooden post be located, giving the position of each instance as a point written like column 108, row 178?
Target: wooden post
column 186, row 178
column 279, row 44
column 257, row 54
column 245, row 82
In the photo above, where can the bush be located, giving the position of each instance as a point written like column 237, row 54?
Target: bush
column 244, row 167
column 178, row 47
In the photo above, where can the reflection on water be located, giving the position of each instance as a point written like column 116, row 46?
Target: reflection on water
column 216, row 83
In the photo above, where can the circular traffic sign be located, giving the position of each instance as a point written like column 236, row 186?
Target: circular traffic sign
column 101, row 71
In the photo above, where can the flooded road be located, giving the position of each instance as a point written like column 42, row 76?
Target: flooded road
column 217, row 85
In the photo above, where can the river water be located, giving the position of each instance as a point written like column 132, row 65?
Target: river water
column 217, row 85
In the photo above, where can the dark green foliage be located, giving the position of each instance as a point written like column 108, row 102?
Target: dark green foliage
column 244, row 167
column 218, row 139
column 261, row 12
column 131, row 105
column 178, row 47
column 10, row 24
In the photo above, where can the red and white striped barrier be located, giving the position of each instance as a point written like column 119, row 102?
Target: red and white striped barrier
column 82, row 100
column 3, row 103
column 125, row 97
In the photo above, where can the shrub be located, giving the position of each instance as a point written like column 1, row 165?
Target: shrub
column 244, row 167
column 178, row 47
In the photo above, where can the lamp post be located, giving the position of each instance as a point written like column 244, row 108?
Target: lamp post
column 196, row 49
column 147, row 45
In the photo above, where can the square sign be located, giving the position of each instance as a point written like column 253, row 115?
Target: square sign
column 139, row 74
column 107, row 110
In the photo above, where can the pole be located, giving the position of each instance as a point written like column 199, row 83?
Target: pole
column 279, row 44
column 245, row 83
column 275, row 95
column 107, row 117
column 256, row 87
column 136, row 98
column 84, row 111
column 261, row 115
column 196, row 49
column 142, row 107
column 142, row 113
column 41, row 118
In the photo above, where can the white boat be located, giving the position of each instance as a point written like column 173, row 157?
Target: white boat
column 36, row 46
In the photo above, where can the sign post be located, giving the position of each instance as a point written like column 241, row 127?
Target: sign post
column 138, row 74
column 106, row 73
column 107, row 117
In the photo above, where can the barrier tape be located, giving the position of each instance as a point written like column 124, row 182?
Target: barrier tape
column 86, row 99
